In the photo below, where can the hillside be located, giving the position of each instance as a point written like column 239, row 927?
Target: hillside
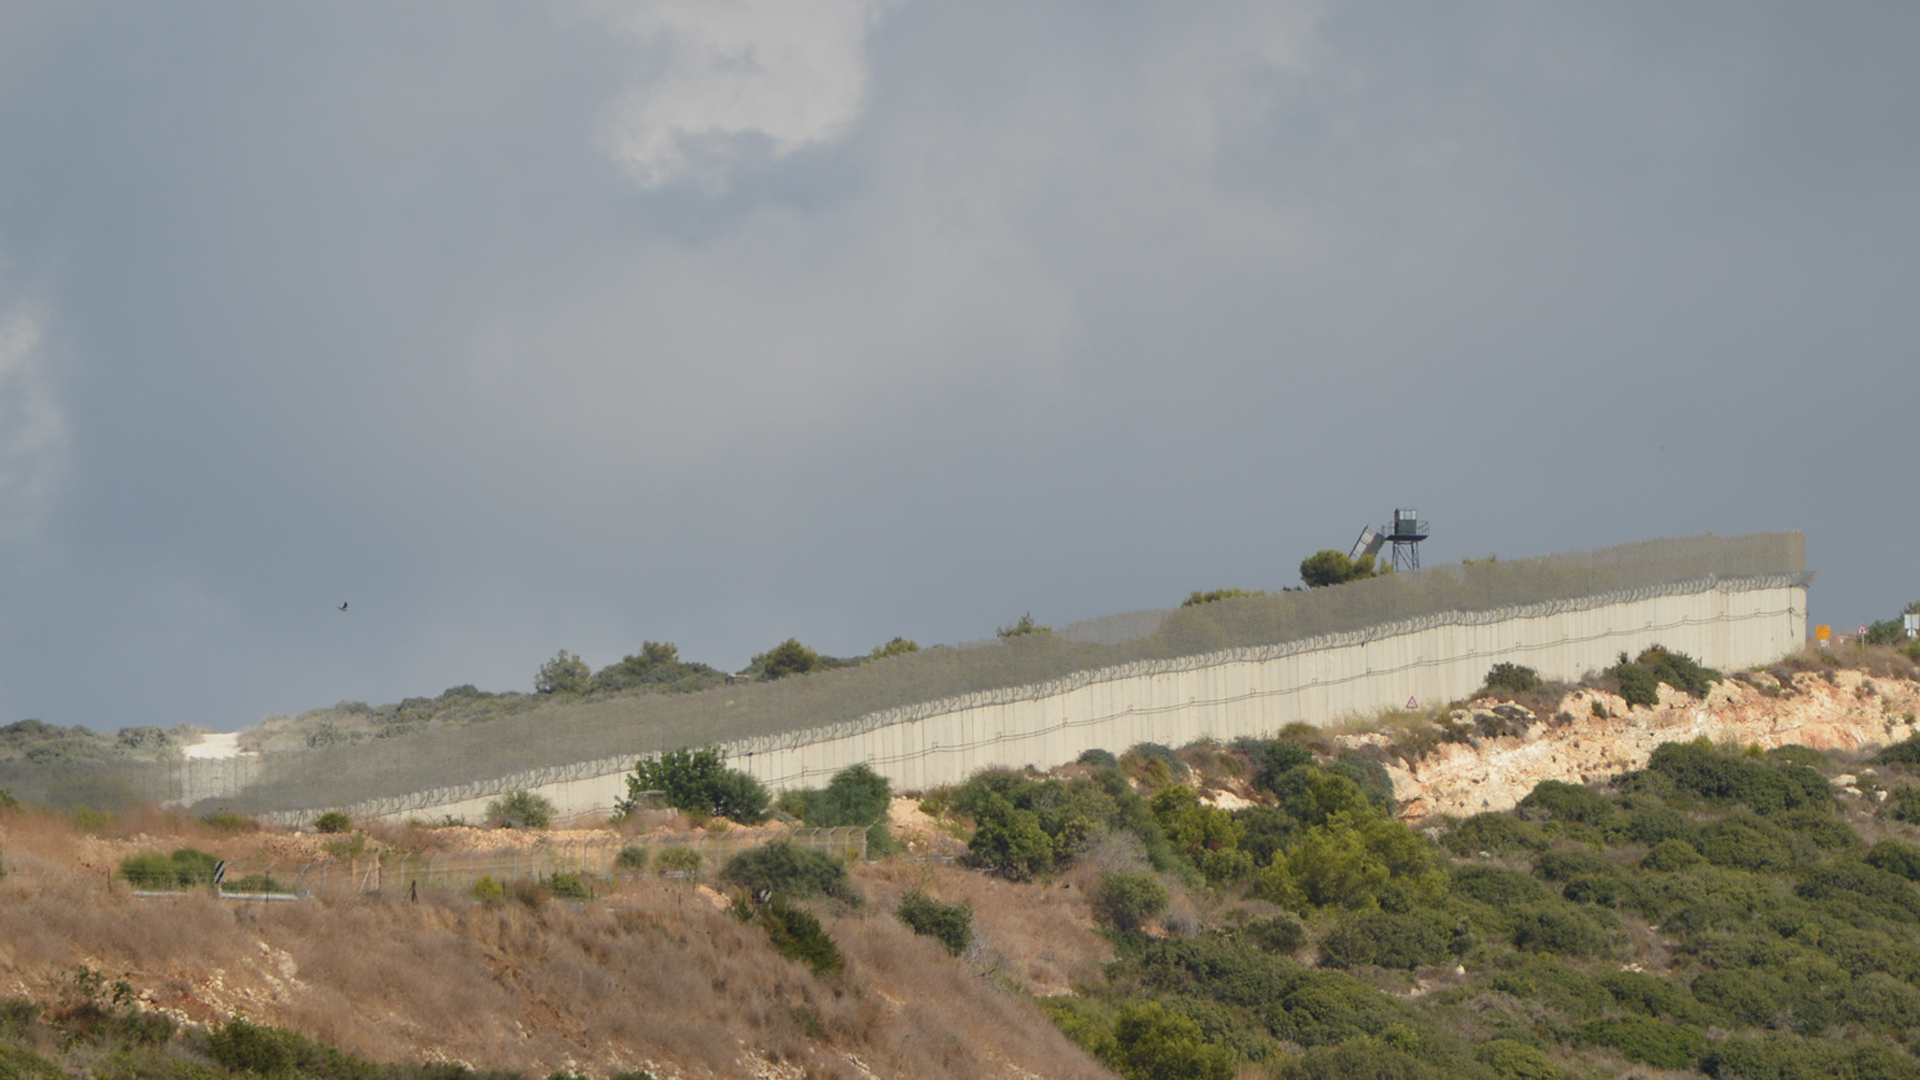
column 1580, row 895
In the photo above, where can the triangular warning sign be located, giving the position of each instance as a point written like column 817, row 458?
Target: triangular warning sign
column 1412, row 704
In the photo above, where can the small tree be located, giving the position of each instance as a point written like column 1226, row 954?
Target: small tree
column 1198, row 598
column 1024, row 626
column 521, row 810
column 1330, row 567
column 1009, row 840
column 897, row 647
column 1513, row 678
column 787, row 658
column 564, row 674
column 1126, row 899
column 698, row 781
column 949, row 924
column 333, row 821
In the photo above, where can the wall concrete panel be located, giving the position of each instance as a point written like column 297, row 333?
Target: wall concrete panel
column 1726, row 623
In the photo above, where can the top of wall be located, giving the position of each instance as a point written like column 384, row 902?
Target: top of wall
column 565, row 732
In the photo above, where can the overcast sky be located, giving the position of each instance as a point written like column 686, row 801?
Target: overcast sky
column 523, row 327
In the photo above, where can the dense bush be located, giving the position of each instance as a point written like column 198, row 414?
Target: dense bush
column 333, row 821
column 1561, row 930
column 1640, row 677
column 520, row 810
column 183, row 868
column 1009, row 841
column 678, row 861
column 564, row 674
column 1386, row 940
column 1670, row 855
column 1896, row 857
column 855, row 796
column 1212, row 596
column 1513, row 678
column 798, row 936
column 949, row 924
column 1329, row 567
column 697, row 781
column 1647, row 1041
column 1097, row 758
column 1498, row 834
column 787, row 870
column 1151, row 1043
column 1718, row 777
column 631, row 857
column 1904, row 752
column 1569, row 802
column 1126, row 899
column 568, row 886
column 787, row 658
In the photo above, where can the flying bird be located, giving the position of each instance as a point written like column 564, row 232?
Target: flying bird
column 343, row 605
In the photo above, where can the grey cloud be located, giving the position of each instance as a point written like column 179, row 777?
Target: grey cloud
column 1069, row 308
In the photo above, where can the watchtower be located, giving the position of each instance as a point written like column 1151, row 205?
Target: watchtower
column 1405, row 533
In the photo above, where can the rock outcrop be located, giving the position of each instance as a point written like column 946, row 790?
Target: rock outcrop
column 1509, row 750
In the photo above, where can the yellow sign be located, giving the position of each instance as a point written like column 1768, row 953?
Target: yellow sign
column 1824, row 633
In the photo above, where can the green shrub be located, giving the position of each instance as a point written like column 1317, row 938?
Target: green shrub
column 1560, row 930
column 1496, row 833
column 564, row 674
column 855, row 796
column 8, row 803
column 1385, row 940
column 1750, row 996
column 678, row 861
column 1283, row 933
column 568, row 886
column 698, row 781
column 256, row 883
column 1698, row 768
column 521, row 810
column 1885, row 894
column 789, row 657
column 1126, row 899
column 1214, row 596
column 1516, row 1060
column 1569, row 802
column 1640, row 677
column 1647, row 1041
column 1151, row 1043
column 1904, row 752
column 632, row 857
column 333, row 821
column 1009, row 841
column 949, row 924
column 1023, row 626
column 1747, row 843
column 1670, row 855
column 184, row 868
column 1514, row 678
column 17, row 1016
column 1359, row 1060
column 1896, row 857
column 1098, row 758
column 260, row 1050
column 1885, row 632
column 1149, row 753
column 488, row 891
column 1329, row 567
column 799, row 937
column 227, row 821
column 786, row 870
column 1498, row 887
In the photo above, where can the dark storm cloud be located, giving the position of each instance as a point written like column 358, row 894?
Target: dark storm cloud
column 528, row 328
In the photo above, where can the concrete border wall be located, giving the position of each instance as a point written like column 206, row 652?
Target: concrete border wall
column 1724, row 622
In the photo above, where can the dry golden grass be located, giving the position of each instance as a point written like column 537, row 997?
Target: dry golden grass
column 652, row 976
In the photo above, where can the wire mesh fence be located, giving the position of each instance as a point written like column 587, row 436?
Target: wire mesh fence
column 555, row 740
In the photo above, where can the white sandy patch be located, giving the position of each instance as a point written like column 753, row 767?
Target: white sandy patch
column 220, row 744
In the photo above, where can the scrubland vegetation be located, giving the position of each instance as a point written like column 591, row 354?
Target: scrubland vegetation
column 1256, row 909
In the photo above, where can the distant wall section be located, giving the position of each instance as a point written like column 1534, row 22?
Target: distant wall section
column 1724, row 622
